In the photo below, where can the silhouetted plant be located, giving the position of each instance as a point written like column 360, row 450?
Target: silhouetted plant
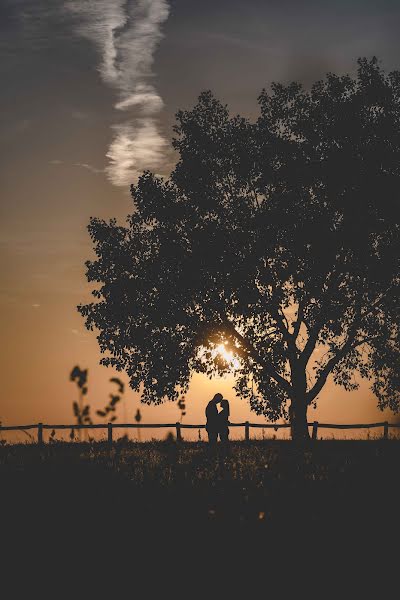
column 278, row 239
column 2, row 441
column 121, row 388
column 182, row 406
column 81, row 411
column 170, row 437
column 138, row 418
column 109, row 410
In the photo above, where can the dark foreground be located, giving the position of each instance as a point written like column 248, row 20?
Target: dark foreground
column 268, row 507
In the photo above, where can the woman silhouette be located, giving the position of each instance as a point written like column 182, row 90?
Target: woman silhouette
column 223, row 418
column 212, row 425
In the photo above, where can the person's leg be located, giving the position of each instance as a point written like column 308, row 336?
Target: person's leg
column 212, row 443
column 224, row 435
column 212, row 437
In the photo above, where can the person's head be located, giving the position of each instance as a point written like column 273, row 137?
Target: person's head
column 217, row 398
column 225, row 405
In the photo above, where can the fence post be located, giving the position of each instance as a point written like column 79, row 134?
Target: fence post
column 40, row 434
column 247, row 431
column 110, row 431
column 314, row 430
column 178, row 432
column 385, row 430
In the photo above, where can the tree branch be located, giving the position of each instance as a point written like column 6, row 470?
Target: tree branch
column 376, row 302
column 310, row 344
column 298, row 322
column 252, row 352
column 325, row 297
column 280, row 322
column 315, row 390
column 365, row 341
column 349, row 345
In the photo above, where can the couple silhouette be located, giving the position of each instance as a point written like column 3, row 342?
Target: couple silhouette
column 217, row 421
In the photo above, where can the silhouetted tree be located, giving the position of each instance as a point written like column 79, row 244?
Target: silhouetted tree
column 279, row 237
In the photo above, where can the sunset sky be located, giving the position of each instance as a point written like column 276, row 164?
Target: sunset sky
column 89, row 90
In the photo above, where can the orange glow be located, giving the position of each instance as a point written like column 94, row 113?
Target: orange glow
column 228, row 356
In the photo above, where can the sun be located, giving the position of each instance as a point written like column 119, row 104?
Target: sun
column 227, row 355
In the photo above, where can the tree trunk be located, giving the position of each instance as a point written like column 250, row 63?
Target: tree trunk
column 298, row 419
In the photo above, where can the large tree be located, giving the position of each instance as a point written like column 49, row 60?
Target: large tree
column 277, row 238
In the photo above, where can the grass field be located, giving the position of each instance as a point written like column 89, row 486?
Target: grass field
column 160, row 495
column 261, row 484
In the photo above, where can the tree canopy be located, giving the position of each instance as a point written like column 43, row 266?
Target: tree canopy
column 278, row 238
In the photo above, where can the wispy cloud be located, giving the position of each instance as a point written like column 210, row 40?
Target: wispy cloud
column 89, row 168
column 126, row 34
column 86, row 166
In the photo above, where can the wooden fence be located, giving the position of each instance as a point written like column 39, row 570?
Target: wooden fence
column 179, row 426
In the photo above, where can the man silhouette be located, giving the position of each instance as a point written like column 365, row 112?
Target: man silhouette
column 212, row 424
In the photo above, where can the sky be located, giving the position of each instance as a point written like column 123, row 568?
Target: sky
column 88, row 94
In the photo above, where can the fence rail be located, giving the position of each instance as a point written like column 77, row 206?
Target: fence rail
column 109, row 427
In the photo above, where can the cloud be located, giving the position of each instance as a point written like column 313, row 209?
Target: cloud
column 135, row 147
column 144, row 97
column 126, row 35
column 78, row 164
column 89, row 168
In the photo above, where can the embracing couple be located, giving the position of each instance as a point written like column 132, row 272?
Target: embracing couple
column 217, row 421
